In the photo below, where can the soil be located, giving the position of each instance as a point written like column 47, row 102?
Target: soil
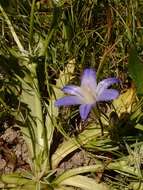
column 13, row 151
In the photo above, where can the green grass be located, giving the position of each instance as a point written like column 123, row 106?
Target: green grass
column 45, row 45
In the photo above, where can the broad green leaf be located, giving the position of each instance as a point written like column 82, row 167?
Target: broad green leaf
column 85, row 183
column 136, row 70
column 64, row 188
column 14, row 178
column 31, row 97
column 18, row 181
column 139, row 126
column 80, row 170
column 125, row 101
column 136, row 186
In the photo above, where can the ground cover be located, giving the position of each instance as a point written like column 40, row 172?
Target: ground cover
column 71, row 87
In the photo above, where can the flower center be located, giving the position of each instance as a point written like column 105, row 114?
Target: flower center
column 89, row 97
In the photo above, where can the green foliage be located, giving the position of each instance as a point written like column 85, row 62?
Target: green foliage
column 136, row 69
column 45, row 45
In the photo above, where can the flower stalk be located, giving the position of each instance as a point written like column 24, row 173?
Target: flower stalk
column 97, row 113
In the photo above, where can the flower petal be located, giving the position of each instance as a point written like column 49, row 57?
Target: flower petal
column 73, row 90
column 88, row 79
column 104, row 84
column 67, row 101
column 107, row 95
column 84, row 110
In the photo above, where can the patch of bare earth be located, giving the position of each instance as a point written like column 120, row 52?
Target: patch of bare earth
column 13, row 151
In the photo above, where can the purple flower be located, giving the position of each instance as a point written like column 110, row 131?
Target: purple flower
column 88, row 93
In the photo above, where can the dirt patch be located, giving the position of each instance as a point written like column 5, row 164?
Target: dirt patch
column 13, row 151
column 77, row 159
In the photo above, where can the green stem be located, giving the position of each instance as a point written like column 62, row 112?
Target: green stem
column 47, row 40
column 31, row 23
column 98, row 114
